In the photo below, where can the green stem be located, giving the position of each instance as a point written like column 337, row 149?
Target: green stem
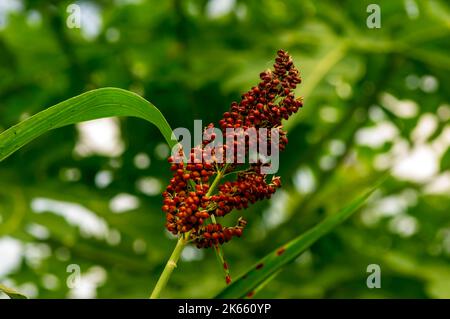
column 217, row 249
column 216, row 181
column 170, row 266
column 182, row 241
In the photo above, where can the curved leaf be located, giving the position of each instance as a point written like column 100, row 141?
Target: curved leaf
column 12, row 293
column 95, row 104
column 246, row 284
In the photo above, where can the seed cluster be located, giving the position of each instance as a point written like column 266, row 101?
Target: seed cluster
column 215, row 234
column 188, row 200
column 248, row 188
column 259, row 108
column 186, row 206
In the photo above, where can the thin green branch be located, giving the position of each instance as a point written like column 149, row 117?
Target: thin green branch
column 168, row 269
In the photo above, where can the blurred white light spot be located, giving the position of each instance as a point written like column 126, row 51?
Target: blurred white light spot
column 429, row 84
column 404, row 225
column 38, row 231
column 218, row 8
column 23, row 116
column 11, row 255
column 50, row 282
column 401, row 108
column 412, row 10
column 305, row 258
column 441, row 143
column 241, row 11
column 378, row 135
column 392, row 205
column 419, row 165
column 275, row 214
column 412, row 82
column 439, row 185
column 337, row 147
column 192, row 9
column 86, row 287
column 304, row 180
column 327, row 162
column 35, row 253
column 139, row 246
column 169, row 235
column 91, row 20
column 103, row 179
column 444, row 235
column 141, row 161
column 112, row 35
column 444, row 112
column 376, row 114
column 389, row 206
column 29, row 289
column 329, row 114
column 420, row 162
column 191, row 254
column 34, row 18
column 113, row 237
column 70, row 174
column 7, row 7
column 426, row 126
column 100, row 137
column 75, row 214
column 162, row 151
column 410, row 195
column 344, row 90
column 149, row 186
column 123, row 202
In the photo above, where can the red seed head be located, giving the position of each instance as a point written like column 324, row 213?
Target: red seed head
column 185, row 203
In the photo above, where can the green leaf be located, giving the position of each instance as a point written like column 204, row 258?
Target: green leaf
column 277, row 259
column 12, row 293
column 95, row 104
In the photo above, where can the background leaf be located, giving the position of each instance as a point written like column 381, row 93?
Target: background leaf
column 100, row 103
column 279, row 258
column 11, row 293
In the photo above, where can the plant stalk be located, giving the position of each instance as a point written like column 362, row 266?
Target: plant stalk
column 168, row 269
column 176, row 253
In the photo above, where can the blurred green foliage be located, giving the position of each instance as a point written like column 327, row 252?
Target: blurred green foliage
column 375, row 100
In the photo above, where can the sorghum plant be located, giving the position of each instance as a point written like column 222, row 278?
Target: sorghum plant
column 195, row 195
column 207, row 182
